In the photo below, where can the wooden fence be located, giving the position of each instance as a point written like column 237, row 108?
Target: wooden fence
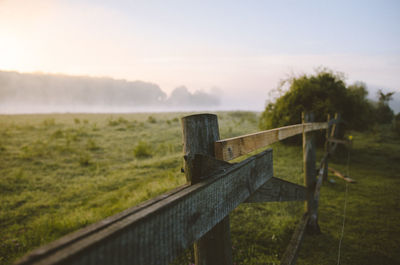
column 158, row 230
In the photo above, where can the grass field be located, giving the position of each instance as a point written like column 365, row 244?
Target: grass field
column 59, row 173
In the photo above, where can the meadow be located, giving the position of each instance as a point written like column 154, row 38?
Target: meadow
column 61, row 172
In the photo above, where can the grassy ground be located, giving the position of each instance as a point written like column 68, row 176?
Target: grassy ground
column 59, row 173
column 372, row 225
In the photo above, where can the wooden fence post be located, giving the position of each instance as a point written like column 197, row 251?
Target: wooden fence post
column 309, row 159
column 327, row 145
column 200, row 132
column 335, row 127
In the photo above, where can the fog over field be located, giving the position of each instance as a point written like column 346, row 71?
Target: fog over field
column 44, row 93
column 58, row 93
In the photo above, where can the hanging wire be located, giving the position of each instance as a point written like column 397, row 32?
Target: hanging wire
column 344, row 220
column 345, row 205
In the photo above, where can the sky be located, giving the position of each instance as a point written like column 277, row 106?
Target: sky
column 242, row 49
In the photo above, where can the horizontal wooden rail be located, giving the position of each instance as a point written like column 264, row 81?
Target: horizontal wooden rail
column 231, row 148
column 157, row 231
column 278, row 190
column 290, row 255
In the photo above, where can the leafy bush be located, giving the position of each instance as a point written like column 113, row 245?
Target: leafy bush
column 151, row 119
column 384, row 114
column 322, row 93
column 117, row 122
column 49, row 122
column 84, row 159
column 58, row 134
column 142, row 150
column 92, row 145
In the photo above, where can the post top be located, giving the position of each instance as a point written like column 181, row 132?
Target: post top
column 200, row 115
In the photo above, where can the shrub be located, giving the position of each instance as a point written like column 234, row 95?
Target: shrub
column 151, row 119
column 322, row 93
column 91, row 145
column 84, row 159
column 142, row 150
column 58, row 134
column 49, row 122
column 117, row 122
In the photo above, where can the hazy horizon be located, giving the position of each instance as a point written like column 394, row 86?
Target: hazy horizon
column 239, row 49
column 25, row 93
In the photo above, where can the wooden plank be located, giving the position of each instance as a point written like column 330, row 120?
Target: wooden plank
column 315, row 126
column 199, row 134
column 340, row 175
column 278, row 190
column 335, row 126
column 290, row 255
column 156, row 233
column 231, row 148
column 326, row 147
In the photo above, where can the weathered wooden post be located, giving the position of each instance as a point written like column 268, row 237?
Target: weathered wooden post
column 327, row 145
column 335, row 126
column 309, row 158
column 199, row 134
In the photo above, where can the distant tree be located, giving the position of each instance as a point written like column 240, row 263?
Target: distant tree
column 385, row 98
column 397, row 124
column 384, row 114
column 361, row 108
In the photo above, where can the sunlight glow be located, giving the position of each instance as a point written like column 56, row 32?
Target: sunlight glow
column 245, row 54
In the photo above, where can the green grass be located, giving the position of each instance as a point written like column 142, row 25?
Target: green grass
column 372, row 226
column 59, row 173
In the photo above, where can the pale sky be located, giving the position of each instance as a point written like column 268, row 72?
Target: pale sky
column 242, row 48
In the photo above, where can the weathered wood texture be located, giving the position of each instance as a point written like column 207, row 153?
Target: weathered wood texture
column 327, row 147
column 290, row 255
column 231, row 148
column 278, row 190
column 156, row 232
column 334, row 132
column 199, row 134
column 309, row 159
column 335, row 126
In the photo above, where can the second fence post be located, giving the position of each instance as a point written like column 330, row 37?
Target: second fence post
column 199, row 135
column 310, row 174
column 327, row 147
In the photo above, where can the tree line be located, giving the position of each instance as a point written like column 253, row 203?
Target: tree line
column 46, row 89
